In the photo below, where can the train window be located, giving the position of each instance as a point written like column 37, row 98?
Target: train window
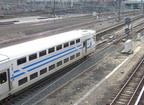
column 59, row 63
column 51, row 50
column 59, row 47
column 32, row 76
column 22, row 81
column 66, row 60
column 33, row 56
column 66, row 45
column 78, row 40
column 72, row 43
column 3, row 77
column 21, row 60
column 72, row 57
column 43, row 71
column 78, row 54
column 51, row 67
column 42, row 53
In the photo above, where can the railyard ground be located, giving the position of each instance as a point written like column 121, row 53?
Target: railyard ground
column 126, row 64
column 22, row 27
column 99, row 84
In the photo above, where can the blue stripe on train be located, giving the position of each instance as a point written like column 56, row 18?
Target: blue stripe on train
column 16, row 71
column 47, row 62
column 18, row 75
column 52, row 60
column 43, row 64
column 47, row 58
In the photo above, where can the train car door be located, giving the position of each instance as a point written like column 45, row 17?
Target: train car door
column 4, row 81
column 85, row 47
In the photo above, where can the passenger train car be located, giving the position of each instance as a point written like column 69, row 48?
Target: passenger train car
column 24, row 64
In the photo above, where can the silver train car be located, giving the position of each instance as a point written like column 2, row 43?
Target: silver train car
column 24, row 64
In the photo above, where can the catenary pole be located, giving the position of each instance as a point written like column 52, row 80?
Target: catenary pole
column 119, row 7
column 142, row 6
column 54, row 9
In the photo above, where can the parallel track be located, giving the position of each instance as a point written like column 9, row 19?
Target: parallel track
column 127, row 94
column 51, row 27
column 58, row 74
column 47, row 80
column 98, row 49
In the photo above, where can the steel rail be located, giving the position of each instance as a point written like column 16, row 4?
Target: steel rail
column 40, row 34
column 137, row 67
column 129, row 103
column 119, row 38
column 140, row 96
column 61, row 29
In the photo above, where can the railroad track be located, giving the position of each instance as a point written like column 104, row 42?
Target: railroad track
column 40, row 85
column 71, row 24
column 31, row 89
column 127, row 95
column 59, row 30
column 59, row 74
column 138, row 28
column 51, row 93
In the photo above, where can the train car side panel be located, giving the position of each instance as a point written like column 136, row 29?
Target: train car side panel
column 21, row 69
column 5, row 83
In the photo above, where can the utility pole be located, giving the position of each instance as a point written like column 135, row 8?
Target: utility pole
column 117, row 4
column 54, row 9
column 119, row 7
column 142, row 6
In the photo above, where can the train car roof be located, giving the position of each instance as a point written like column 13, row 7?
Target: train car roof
column 3, row 58
column 42, row 43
